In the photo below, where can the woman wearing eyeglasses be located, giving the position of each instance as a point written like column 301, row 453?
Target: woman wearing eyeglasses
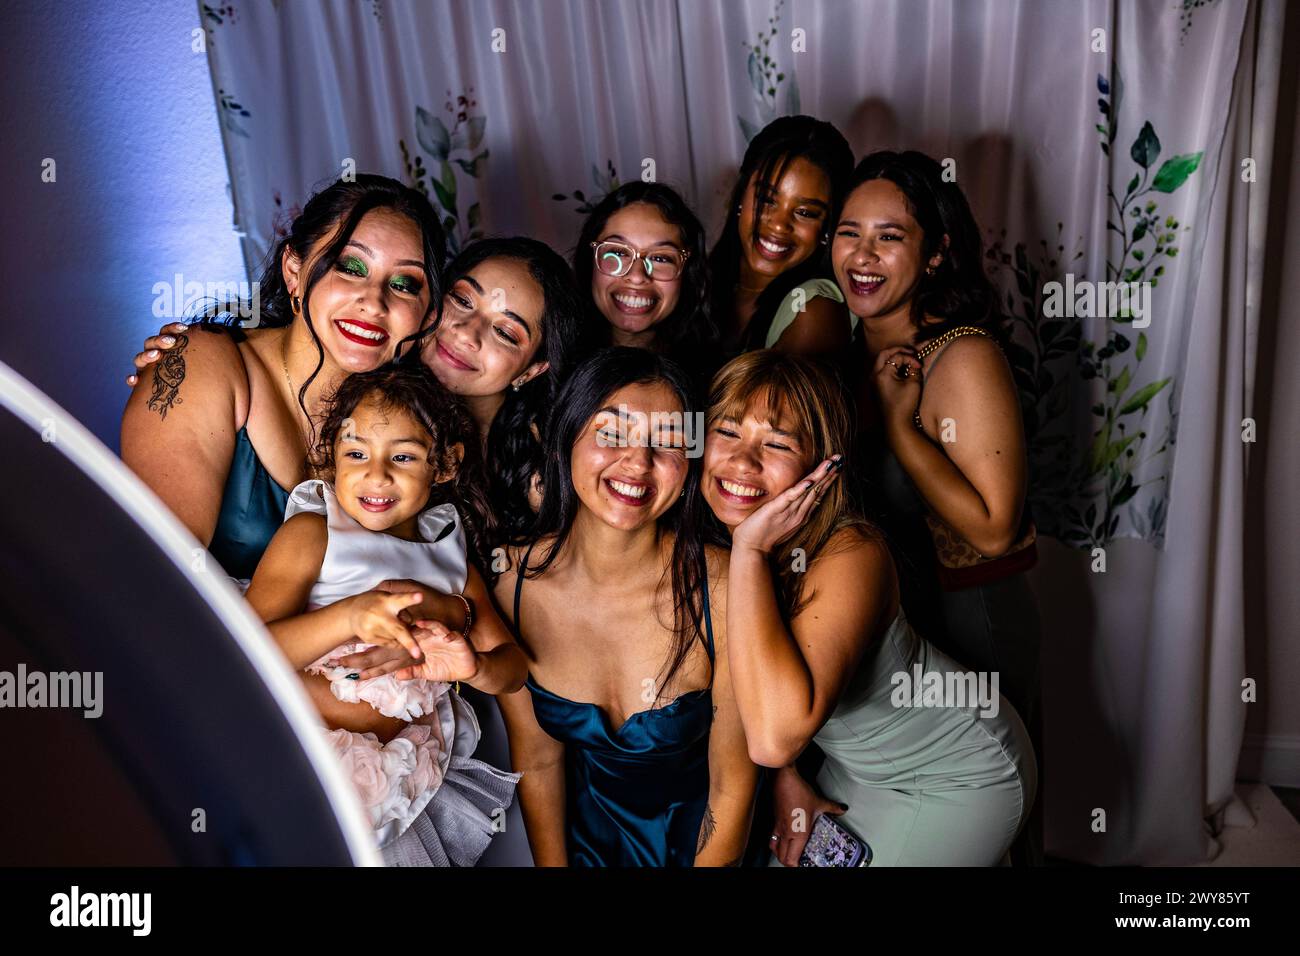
column 640, row 261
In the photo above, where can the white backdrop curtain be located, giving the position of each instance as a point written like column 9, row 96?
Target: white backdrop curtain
column 1096, row 138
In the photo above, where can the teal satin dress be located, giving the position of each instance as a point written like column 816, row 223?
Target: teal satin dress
column 252, row 510
column 634, row 796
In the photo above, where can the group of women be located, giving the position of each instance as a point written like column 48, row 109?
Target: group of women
column 714, row 643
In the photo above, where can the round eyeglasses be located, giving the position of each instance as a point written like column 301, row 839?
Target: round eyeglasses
column 617, row 258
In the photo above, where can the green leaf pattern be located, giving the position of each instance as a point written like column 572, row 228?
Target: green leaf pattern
column 449, row 150
column 1080, row 496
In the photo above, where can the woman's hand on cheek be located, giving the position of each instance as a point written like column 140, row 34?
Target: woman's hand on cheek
column 785, row 514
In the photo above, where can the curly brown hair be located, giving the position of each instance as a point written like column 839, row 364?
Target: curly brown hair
column 412, row 388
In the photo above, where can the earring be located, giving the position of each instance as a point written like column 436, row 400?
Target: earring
column 515, row 386
column 296, row 305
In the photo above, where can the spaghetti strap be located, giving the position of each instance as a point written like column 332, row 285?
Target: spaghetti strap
column 519, row 585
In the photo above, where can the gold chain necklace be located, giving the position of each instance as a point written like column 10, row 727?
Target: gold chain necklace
column 935, row 343
column 948, row 337
column 284, row 363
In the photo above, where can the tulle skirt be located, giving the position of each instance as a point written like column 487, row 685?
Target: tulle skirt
column 429, row 801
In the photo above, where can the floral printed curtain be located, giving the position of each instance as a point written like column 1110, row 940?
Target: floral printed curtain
column 1088, row 134
column 1079, row 130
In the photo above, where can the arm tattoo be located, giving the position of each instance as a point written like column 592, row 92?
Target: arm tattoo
column 167, row 378
column 707, row 826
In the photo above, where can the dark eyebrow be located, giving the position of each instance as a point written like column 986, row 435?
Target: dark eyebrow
column 509, row 314
column 361, row 439
column 370, row 252
column 767, row 189
column 661, row 242
column 853, row 223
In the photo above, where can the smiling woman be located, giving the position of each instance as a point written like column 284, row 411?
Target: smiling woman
column 627, row 733
column 641, row 265
column 507, row 336
column 222, row 427
column 819, row 639
column 773, row 242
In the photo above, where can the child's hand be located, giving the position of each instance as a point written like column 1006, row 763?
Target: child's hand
column 374, row 618
column 447, row 655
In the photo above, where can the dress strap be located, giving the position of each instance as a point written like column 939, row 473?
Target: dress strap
column 937, row 347
column 519, row 584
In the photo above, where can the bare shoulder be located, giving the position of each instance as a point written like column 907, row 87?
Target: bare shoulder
column 968, row 358
column 970, row 371
column 855, row 553
column 306, row 529
column 204, row 371
column 297, row 547
column 823, row 309
column 507, row 581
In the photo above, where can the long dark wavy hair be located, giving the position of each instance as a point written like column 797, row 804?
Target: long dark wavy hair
column 412, row 388
column 514, row 451
column 583, row 395
column 767, row 157
column 333, row 211
column 688, row 335
column 959, row 292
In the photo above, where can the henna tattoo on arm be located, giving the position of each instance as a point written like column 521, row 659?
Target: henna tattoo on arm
column 707, row 826
column 167, row 378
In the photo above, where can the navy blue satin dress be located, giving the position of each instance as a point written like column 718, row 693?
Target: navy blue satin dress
column 252, row 510
column 634, row 796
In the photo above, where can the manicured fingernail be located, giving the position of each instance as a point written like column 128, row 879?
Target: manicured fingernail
column 167, row 340
column 152, row 353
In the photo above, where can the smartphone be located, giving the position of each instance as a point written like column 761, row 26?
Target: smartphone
column 831, row 843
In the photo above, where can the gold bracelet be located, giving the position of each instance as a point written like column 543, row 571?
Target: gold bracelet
column 469, row 615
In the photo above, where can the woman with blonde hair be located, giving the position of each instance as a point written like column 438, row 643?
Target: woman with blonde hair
column 821, row 652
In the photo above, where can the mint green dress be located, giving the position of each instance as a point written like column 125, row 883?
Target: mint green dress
column 788, row 310
column 925, row 785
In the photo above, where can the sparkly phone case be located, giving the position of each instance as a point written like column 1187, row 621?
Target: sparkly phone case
column 831, row 843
